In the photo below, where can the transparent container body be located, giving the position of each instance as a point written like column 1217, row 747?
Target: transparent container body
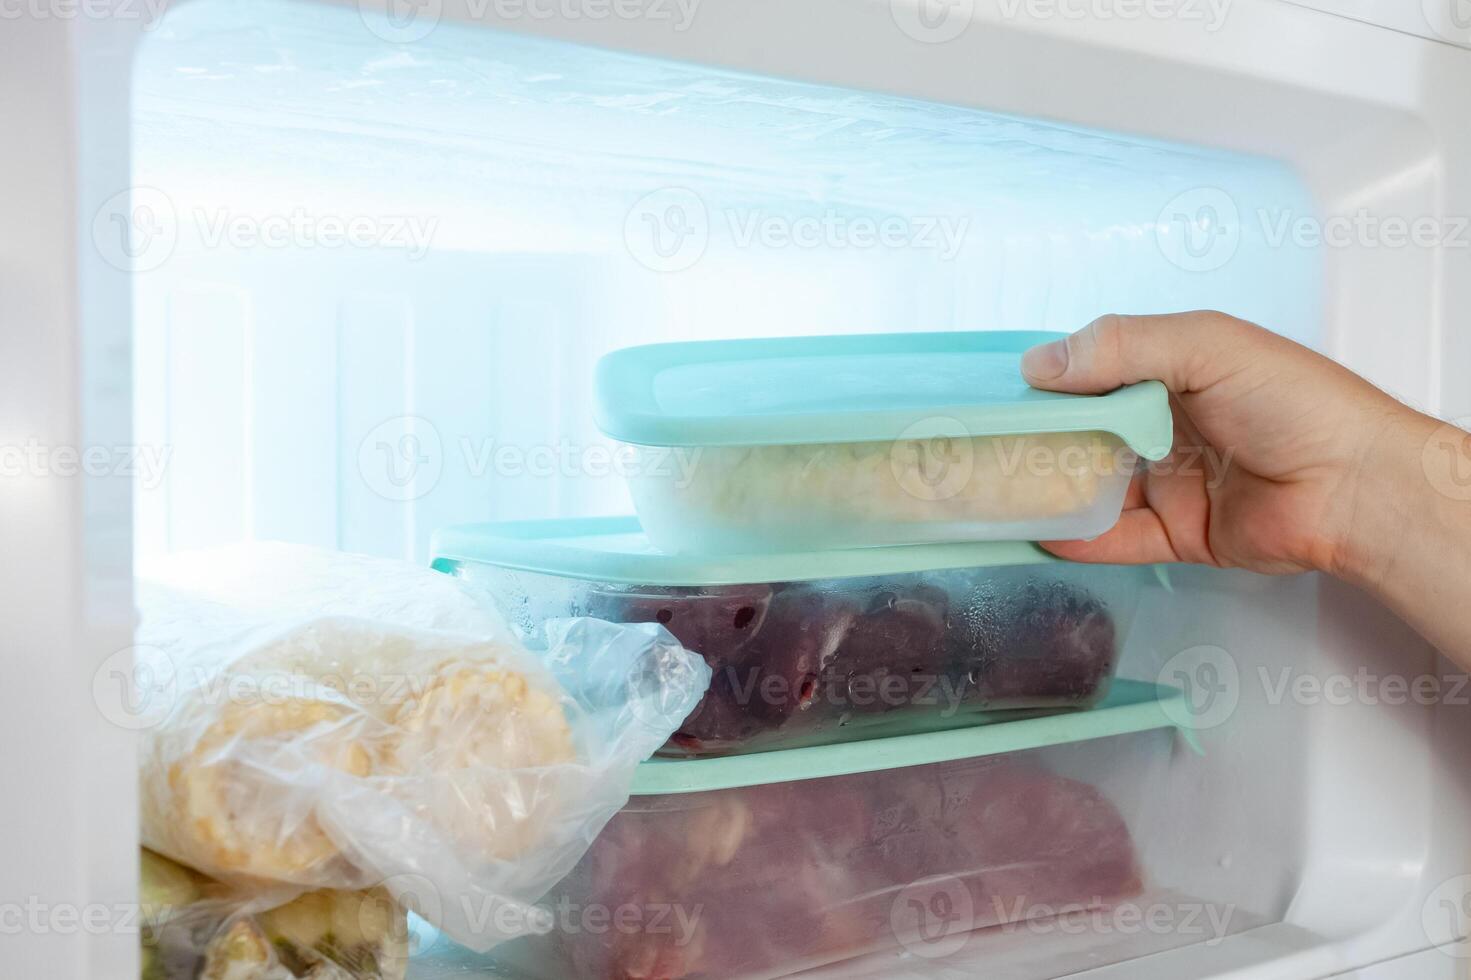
column 722, row 499
column 808, row 662
column 765, row 881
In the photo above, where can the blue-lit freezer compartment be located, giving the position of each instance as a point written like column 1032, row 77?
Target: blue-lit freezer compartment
column 449, row 233
column 377, row 276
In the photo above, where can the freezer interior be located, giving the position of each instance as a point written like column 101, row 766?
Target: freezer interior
column 379, row 275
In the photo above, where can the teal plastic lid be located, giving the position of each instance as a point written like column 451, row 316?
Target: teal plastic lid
column 1131, row 706
column 857, row 388
column 615, row 550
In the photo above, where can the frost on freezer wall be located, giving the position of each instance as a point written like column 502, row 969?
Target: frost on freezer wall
column 373, row 278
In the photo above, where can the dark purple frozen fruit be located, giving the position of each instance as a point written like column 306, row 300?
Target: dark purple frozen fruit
column 808, row 870
column 903, row 836
column 916, row 821
column 1042, row 840
column 750, row 870
column 1018, row 839
column 807, row 629
column 894, row 656
column 714, row 622
column 774, row 677
column 1046, row 645
column 718, row 623
column 726, row 717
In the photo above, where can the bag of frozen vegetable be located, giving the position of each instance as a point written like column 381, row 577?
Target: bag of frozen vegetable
column 196, row 929
column 312, row 720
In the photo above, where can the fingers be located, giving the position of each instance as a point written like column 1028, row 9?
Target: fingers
column 1139, row 538
column 1187, row 351
column 1165, row 516
column 1134, row 496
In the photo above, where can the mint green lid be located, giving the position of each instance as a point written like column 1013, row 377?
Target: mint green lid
column 857, row 388
column 615, row 550
column 1131, row 706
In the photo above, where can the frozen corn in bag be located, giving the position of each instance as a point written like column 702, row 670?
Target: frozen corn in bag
column 333, row 721
column 196, row 929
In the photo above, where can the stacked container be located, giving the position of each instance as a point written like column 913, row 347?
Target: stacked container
column 815, row 646
column 763, row 865
column 809, row 443
column 893, row 747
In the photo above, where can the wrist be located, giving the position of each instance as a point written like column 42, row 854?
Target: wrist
column 1396, row 500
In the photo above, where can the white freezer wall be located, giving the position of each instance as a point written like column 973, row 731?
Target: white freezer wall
column 526, row 205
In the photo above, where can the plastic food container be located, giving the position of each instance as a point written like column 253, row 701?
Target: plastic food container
column 764, row 865
column 813, row 647
column 843, row 442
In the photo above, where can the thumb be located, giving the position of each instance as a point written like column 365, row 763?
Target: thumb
column 1187, row 351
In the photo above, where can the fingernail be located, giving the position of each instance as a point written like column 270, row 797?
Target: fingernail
column 1045, row 361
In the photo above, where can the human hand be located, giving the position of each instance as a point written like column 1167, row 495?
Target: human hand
column 1271, row 442
column 1283, row 461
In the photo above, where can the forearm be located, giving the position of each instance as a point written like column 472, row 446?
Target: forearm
column 1408, row 532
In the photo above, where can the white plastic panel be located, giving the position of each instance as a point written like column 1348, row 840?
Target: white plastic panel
column 1443, row 963
column 1437, row 20
column 68, row 857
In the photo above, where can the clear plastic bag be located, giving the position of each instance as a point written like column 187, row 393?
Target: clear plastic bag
column 319, row 720
column 196, row 929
